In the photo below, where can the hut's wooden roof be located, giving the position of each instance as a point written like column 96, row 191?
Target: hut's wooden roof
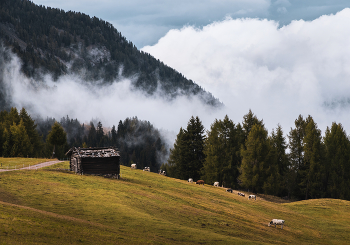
column 94, row 152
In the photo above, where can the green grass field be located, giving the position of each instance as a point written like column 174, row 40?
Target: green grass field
column 54, row 206
column 16, row 162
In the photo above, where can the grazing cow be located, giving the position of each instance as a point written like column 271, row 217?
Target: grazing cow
column 241, row 194
column 133, row 166
column 276, row 222
column 190, row 180
column 252, row 197
column 229, row 190
column 147, row 169
column 162, row 172
column 200, row 182
column 216, row 184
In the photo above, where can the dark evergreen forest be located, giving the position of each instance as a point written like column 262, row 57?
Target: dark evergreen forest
column 244, row 156
column 138, row 141
column 48, row 39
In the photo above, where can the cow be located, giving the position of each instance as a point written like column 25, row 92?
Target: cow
column 241, row 194
column 133, row 166
column 229, row 190
column 200, row 182
column 190, row 180
column 252, row 197
column 162, row 172
column 147, row 169
column 216, row 184
column 277, row 222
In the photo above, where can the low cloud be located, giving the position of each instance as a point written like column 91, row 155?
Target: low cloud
column 279, row 73
column 109, row 103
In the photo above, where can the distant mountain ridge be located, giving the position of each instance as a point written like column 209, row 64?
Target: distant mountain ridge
column 50, row 40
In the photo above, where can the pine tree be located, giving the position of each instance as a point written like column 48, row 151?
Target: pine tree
column 175, row 165
column 296, row 155
column 279, row 147
column 33, row 134
column 249, row 120
column 222, row 154
column 337, row 167
column 91, row 138
column 99, row 135
column 255, row 158
column 312, row 170
column 193, row 152
column 57, row 136
column 21, row 146
column 187, row 157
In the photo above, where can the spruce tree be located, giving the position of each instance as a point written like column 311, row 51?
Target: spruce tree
column 249, row 120
column 57, row 136
column 255, row 159
column 222, row 154
column 337, row 166
column 312, row 171
column 296, row 155
column 32, row 132
column 21, row 146
column 175, row 166
column 279, row 146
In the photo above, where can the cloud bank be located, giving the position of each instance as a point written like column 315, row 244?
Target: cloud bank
column 109, row 103
column 279, row 73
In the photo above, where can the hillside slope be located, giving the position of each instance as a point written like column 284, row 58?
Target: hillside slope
column 50, row 40
column 55, row 206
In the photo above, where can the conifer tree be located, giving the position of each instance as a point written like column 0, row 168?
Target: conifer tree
column 255, row 158
column 279, row 147
column 222, row 154
column 175, row 166
column 249, row 120
column 91, row 138
column 99, row 135
column 193, row 152
column 296, row 155
column 337, row 166
column 21, row 146
column 312, row 170
column 187, row 157
column 33, row 134
column 57, row 136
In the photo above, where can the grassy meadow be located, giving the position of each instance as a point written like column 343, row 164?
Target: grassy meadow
column 17, row 162
column 54, row 206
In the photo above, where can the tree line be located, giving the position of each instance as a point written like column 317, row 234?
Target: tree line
column 21, row 136
column 304, row 165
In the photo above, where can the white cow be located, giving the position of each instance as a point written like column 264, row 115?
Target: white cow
column 133, row 166
column 276, row 222
column 190, row 180
column 252, row 197
column 147, row 169
column 216, row 184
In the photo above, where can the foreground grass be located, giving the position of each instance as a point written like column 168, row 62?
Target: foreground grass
column 17, row 162
column 59, row 207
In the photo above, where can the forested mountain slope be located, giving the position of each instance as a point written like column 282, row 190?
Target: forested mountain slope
column 53, row 41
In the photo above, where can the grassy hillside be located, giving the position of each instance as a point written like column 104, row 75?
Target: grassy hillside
column 16, row 162
column 58, row 207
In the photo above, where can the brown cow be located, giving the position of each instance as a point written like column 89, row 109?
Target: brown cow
column 200, row 182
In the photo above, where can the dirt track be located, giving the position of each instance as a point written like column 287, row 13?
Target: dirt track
column 34, row 167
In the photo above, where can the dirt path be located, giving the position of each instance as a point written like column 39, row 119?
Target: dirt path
column 34, row 167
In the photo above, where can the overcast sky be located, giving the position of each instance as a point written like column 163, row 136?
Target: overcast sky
column 279, row 58
column 144, row 22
